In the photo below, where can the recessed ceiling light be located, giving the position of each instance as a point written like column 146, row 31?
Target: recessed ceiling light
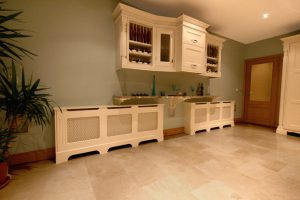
column 265, row 15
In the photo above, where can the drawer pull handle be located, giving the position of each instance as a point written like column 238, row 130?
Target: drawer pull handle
column 195, row 41
column 193, row 66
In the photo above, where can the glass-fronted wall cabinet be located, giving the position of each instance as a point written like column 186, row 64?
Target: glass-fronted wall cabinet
column 165, row 49
column 156, row 43
column 214, row 46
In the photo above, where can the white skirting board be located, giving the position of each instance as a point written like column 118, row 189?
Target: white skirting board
column 98, row 128
column 205, row 116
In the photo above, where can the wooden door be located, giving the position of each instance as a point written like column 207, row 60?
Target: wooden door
column 262, row 90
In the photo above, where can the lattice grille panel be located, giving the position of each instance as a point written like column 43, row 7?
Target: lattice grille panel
column 81, row 129
column 119, row 124
column 214, row 113
column 200, row 115
column 147, row 121
column 226, row 112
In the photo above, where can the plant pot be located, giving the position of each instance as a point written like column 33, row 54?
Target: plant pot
column 19, row 124
column 4, row 177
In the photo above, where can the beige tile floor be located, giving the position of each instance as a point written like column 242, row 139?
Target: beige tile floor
column 244, row 162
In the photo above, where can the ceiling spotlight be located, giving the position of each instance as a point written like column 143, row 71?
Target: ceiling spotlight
column 265, row 15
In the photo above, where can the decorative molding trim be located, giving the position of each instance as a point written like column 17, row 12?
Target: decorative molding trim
column 32, row 156
column 173, row 131
column 280, row 130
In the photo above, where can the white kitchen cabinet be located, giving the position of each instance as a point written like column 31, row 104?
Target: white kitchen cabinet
column 165, row 49
column 175, row 44
column 214, row 47
column 205, row 116
column 289, row 114
column 98, row 128
column 193, row 37
column 191, row 49
column 134, row 43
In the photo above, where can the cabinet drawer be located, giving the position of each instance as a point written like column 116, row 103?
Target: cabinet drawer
column 192, row 67
column 193, row 58
column 193, row 54
column 193, row 37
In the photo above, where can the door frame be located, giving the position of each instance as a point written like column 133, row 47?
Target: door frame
column 275, row 94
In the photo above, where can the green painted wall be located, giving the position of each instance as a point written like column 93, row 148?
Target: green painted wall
column 75, row 43
column 271, row 46
column 231, row 84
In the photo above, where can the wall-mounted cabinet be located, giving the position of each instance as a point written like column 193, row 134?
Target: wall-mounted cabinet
column 191, row 42
column 214, row 46
column 134, row 43
column 156, row 43
column 139, row 47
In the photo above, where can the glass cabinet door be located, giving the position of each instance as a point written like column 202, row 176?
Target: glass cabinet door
column 165, row 47
column 165, row 50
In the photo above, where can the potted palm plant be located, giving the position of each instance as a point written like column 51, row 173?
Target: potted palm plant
column 25, row 103
column 20, row 103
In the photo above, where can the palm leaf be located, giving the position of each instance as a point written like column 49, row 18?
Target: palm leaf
column 9, row 50
column 10, row 17
column 8, row 38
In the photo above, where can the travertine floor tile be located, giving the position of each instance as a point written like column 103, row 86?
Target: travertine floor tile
column 216, row 190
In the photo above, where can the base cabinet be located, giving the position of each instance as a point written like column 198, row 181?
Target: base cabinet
column 205, row 116
column 81, row 130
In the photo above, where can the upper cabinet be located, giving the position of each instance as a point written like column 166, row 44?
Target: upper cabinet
column 214, row 47
column 191, row 48
column 134, row 43
column 139, row 48
column 165, row 49
column 156, row 43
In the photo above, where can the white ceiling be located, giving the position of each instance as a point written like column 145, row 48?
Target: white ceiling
column 240, row 20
